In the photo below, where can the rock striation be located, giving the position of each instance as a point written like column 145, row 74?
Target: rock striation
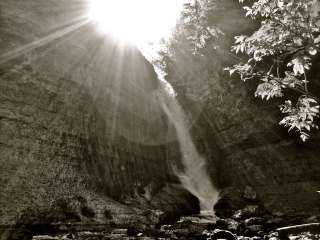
column 238, row 133
column 78, row 116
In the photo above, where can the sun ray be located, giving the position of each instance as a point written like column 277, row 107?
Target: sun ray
column 42, row 41
column 139, row 22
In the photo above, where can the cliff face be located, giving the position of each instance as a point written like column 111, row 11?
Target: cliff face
column 79, row 116
column 240, row 134
column 77, row 110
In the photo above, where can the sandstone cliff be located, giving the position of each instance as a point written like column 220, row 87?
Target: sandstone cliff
column 77, row 111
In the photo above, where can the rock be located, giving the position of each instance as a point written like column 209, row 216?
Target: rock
column 312, row 219
column 249, row 193
column 230, row 200
column 87, row 212
column 256, row 238
column 278, row 214
column 45, row 237
column 182, row 232
column 155, row 217
column 228, row 224
column 157, row 233
column 296, row 218
column 261, row 233
column 274, row 223
column 174, row 201
column 57, row 114
column 233, row 225
column 69, row 236
column 222, row 234
column 273, row 238
column 71, row 207
column 121, row 231
column 253, row 221
column 132, row 231
column 107, row 214
column 255, row 228
column 167, row 227
column 249, row 211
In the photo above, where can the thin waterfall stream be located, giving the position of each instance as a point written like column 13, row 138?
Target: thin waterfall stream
column 194, row 177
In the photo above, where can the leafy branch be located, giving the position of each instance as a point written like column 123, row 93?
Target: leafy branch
column 290, row 36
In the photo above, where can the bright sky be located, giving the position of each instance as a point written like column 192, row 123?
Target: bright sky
column 138, row 21
column 141, row 22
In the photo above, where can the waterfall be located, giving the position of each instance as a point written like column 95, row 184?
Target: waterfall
column 195, row 177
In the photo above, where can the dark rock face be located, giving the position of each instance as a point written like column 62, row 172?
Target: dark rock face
column 239, row 134
column 174, row 195
column 78, row 115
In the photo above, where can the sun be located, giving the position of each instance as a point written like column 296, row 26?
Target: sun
column 137, row 21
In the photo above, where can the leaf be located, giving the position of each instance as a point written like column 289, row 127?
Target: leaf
column 312, row 51
column 299, row 64
column 304, row 136
column 269, row 90
column 240, row 39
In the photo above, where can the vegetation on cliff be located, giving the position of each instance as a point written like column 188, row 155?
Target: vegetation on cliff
column 279, row 53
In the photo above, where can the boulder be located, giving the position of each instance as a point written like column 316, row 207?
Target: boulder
column 174, row 201
column 228, row 224
column 249, row 212
column 231, row 200
column 250, row 194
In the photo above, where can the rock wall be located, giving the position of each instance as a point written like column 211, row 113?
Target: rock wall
column 77, row 111
column 239, row 134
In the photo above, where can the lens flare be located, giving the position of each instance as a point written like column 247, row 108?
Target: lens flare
column 140, row 22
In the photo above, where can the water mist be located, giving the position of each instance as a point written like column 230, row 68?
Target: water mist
column 195, row 177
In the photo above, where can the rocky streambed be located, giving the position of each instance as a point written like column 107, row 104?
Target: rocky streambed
column 241, row 216
column 179, row 230
column 250, row 223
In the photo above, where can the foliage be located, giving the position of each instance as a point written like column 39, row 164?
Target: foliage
column 191, row 52
column 280, row 55
column 196, row 22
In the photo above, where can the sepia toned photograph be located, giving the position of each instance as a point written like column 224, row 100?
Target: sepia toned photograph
column 159, row 119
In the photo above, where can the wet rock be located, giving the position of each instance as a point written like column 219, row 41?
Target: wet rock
column 230, row 201
column 296, row 219
column 122, row 231
column 228, row 224
column 45, row 237
column 157, row 233
column 166, row 227
column 274, row 223
column 221, row 234
column 253, row 221
column 107, row 214
column 315, row 218
column 69, row 236
column 132, row 231
column 154, row 217
column 182, row 232
column 34, row 221
column 255, row 228
column 249, row 211
column 249, row 194
column 256, row 238
column 87, row 212
column 174, row 201
column 278, row 214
